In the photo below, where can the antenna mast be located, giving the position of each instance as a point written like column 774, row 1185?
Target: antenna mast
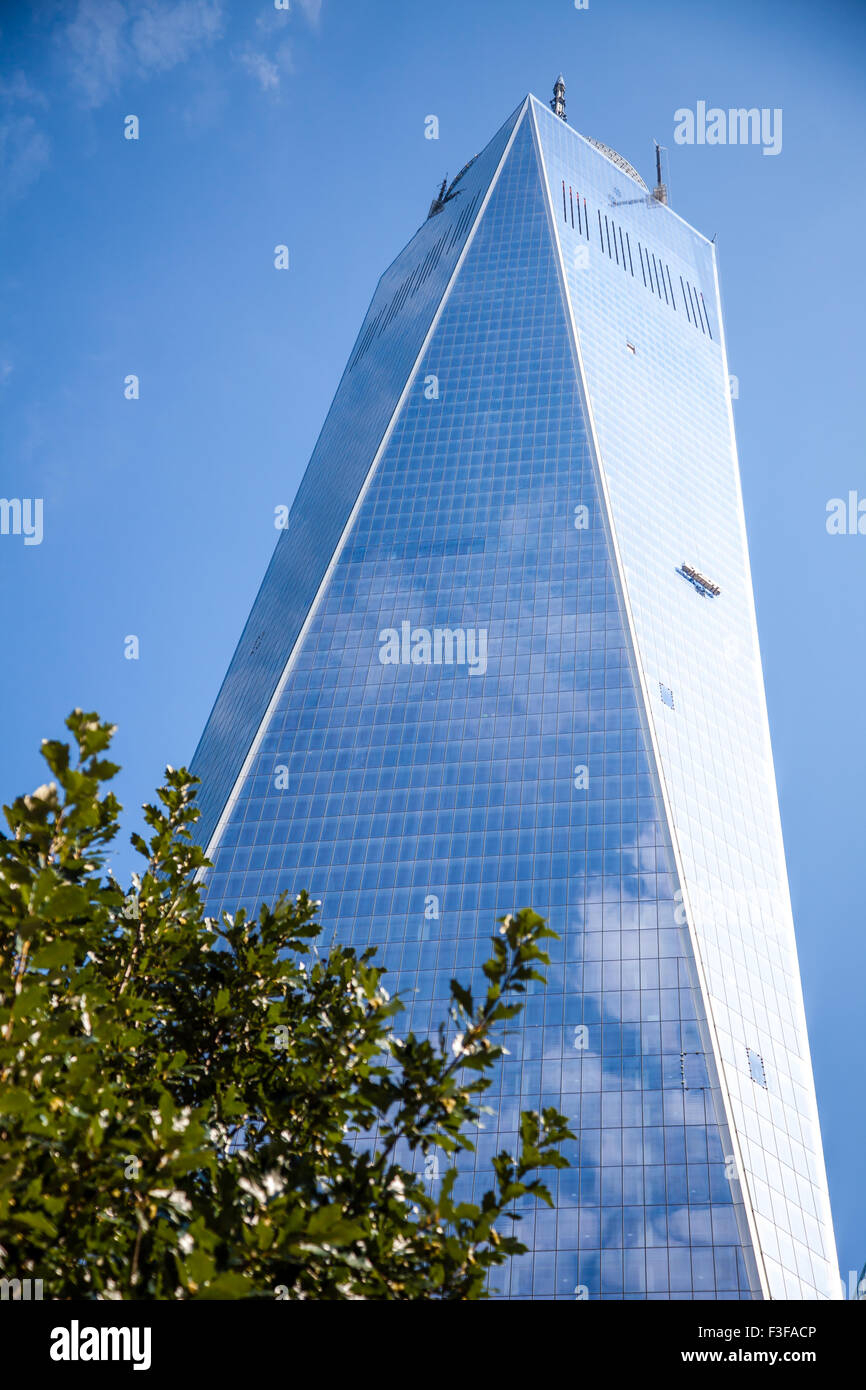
column 557, row 104
column 660, row 192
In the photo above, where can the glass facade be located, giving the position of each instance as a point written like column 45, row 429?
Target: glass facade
column 663, row 430
column 460, row 710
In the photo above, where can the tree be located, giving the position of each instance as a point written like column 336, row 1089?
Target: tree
column 182, row 1098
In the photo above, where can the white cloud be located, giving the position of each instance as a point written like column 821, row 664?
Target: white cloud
column 262, row 69
column 311, row 9
column 94, row 39
column 18, row 88
column 271, row 20
column 268, row 67
column 24, row 148
column 267, row 70
column 110, row 40
column 165, row 35
column 24, row 152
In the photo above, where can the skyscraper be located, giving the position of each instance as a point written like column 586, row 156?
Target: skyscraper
column 505, row 654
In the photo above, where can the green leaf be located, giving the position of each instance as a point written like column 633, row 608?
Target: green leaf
column 151, row 1122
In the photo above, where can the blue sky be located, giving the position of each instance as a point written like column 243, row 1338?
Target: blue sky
column 306, row 127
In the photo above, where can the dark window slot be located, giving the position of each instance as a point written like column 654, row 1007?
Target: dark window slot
column 706, row 315
column 466, row 217
column 460, row 224
column 697, row 313
column 411, row 284
column 630, row 261
column 685, row 299
column 422, row 275
column 402, row 296
column 640, row 253
column 660, row 280
column 700, row 316
column 440, row 247
column 571, row 204
column 362, row 346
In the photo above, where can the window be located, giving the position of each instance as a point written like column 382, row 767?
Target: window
column 694, row 1071
column 756, row 1068
column 667, row 695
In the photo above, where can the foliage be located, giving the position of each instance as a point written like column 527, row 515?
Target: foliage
column 182, row 1097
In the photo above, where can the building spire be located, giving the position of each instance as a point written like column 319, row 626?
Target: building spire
column 557, row 104
column 660, row 192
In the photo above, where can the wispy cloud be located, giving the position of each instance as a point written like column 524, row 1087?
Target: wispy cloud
column 269, row 66
column 267, row 70
column 18, row 88
column 24, row 148
column 24, row 152
column 110, row 40
column 165, row 35
column 94, row 40
column 103, row 44
column 271, row 17
column 270, row 20
column 311, row 9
